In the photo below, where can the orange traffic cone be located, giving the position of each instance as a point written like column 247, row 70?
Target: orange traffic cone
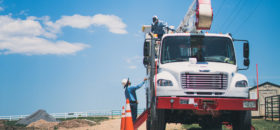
column 128, row 117
column 123, row 119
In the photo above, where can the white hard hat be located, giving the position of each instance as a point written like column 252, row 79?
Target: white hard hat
column 155, row 18
column 125, row 81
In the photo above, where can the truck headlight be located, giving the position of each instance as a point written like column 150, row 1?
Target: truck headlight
column 249, row 104
column 164, row 82
column 241, row 83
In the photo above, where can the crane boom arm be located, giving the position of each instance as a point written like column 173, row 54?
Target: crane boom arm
column 201, row 21
column 187, row 17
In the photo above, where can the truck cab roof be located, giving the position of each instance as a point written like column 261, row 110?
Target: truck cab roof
column 198, row 34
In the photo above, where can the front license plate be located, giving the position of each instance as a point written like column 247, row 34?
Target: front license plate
column 184, row 101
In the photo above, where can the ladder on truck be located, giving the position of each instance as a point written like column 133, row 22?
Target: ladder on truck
column 198, row 17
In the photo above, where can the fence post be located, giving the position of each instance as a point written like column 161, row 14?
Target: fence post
column 265, row 107
column 278, row 97
column 271, row 107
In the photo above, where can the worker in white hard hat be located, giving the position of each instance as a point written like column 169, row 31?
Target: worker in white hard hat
column 158, row 27
column 130, row 93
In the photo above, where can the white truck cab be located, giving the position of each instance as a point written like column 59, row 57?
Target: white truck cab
column 193, row 76
column 200, row 65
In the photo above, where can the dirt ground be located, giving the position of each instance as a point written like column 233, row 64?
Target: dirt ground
column 75, row 123
column 114, row 124
column 42, row 124
column 1, row 124
column 82, row 124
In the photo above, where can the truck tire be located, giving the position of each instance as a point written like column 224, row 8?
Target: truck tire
column 148, row 123
column 156, row 118
column 242, row 120
column 158, row 122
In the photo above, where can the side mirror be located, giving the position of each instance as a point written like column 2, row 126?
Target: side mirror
column 146, row 61
column 246, row 50
column 246, row 54
column 246, row 62
column 146, row 50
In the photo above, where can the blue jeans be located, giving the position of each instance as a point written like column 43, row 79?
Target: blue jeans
column 133, row 107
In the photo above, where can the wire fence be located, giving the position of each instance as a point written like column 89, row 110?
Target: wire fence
column 108, row 113
column 272, row 108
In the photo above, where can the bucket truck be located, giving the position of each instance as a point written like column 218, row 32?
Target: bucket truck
column 194, row 76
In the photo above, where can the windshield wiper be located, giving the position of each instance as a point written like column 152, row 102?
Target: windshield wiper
column 181, row 59
column 212, row 60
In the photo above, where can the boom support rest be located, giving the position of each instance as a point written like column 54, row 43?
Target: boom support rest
column 141, row 119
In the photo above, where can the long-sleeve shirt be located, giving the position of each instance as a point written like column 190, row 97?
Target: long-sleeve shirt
column 130, row 91
column 158, row 28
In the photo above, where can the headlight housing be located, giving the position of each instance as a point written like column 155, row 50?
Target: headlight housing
column 241, row 83
column 164, row 82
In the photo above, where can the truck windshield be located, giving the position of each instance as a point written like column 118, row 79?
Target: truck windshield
column 203, row 48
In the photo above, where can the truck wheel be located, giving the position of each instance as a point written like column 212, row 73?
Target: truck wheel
column 242, row 120
column 148, row 123
column 156, row 117
column 158, row 122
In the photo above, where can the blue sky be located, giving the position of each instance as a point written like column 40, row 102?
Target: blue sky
column 70, row 55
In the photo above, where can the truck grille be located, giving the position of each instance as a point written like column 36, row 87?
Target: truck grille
column 204, row 81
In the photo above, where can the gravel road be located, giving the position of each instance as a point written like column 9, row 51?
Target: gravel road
column 114, row 124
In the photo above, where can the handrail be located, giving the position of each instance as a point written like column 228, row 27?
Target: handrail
column 66, row 115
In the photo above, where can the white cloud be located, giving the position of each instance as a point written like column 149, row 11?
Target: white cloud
column 36, row 36
column 75, row 21
column 38, row 46
column 23, row 12
column 18, row 27
column 112, row 22
column 133, row 62
column 133, row 59
column 132, row 67
column 29, row 37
